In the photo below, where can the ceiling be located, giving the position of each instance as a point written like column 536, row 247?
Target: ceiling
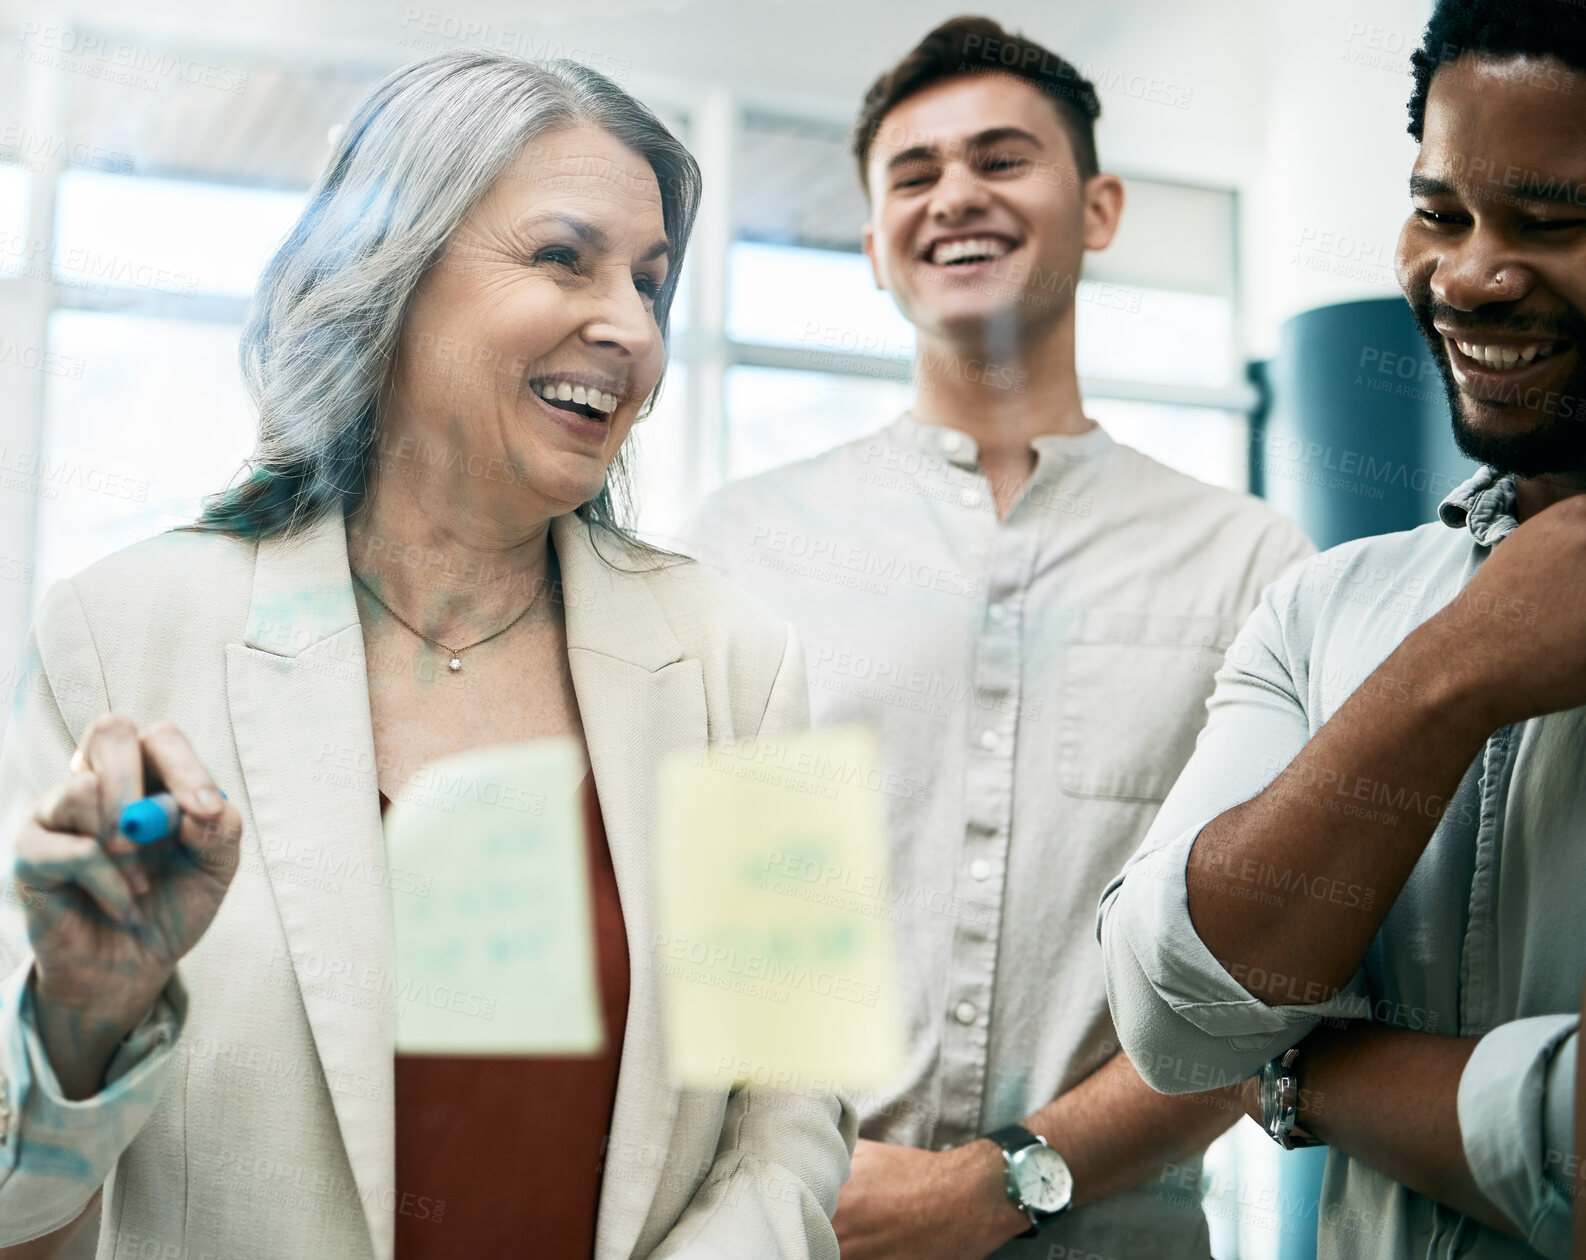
column 248, row 92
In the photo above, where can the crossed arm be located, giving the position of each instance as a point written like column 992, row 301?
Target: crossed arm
column 1199, row 967
column 1114, row 1130
column 1390, row 1096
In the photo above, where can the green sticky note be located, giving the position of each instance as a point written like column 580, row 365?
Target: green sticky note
column 494, row 945
column 774, row 915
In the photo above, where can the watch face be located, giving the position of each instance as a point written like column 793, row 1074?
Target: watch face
column 1043, row 1178
column 1269, row 1095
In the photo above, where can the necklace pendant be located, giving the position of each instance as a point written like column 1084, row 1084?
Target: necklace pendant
column 455, row 663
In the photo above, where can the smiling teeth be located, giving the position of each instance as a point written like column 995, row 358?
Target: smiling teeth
column 1502, row 357
column 977, row 247
column 579, row 395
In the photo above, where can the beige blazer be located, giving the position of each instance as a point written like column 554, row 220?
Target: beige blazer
column 252, row 1115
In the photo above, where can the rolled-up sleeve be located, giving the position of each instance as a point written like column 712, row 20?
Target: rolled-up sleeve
column 1185, row 1022
column 60, row 1151
column 1516, row 1100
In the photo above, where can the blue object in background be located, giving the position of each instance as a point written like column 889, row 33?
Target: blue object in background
column 1356, row 437
column 1300, row 1183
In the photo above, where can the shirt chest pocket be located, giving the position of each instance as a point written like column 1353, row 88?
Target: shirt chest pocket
column 1133, row 700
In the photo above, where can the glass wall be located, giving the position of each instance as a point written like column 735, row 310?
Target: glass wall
column 163, row 211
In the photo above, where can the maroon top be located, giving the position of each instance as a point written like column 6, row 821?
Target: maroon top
column 502, row 1156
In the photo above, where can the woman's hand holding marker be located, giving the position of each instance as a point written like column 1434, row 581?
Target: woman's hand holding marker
column 116, row 915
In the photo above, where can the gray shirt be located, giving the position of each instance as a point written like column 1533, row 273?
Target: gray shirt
column 1484, row 941
column 1037, row 684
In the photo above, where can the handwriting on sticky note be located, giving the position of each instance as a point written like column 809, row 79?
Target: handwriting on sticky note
column 496, row 957
column 774, row 933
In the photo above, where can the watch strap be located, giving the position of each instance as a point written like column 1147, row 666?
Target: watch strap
column 1013, row 1138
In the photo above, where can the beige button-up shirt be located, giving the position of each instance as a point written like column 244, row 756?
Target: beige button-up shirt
column 1037, row 683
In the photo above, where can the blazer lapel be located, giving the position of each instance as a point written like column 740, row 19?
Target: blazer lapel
column 639, row 699
column 299, row 699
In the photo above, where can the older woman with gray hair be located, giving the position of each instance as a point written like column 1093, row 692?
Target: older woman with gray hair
column 425, row 555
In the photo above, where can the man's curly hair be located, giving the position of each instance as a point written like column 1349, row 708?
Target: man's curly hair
column 1499, row 28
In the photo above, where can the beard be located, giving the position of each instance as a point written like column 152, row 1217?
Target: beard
column 1555, row 441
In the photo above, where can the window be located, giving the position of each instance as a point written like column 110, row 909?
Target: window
column 16, row 251
column 821, row 301
column 659, row 455
column 1204, row 442
column 780, row 415
column 153, row 277
column 815, row 355
column 1153, row 335
column 113, row 467
column 166, row 235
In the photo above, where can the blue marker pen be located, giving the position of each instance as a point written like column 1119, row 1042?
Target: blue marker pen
column 152, row 819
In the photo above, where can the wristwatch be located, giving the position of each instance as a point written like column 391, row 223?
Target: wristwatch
column 1036, row 1177
column 1280, row 1101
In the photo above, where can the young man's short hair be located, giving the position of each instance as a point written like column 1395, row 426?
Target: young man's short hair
column 1499, row 28
column 976, row 45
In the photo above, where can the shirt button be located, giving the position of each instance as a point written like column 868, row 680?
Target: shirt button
column 980, row 869
column 989, row 740
column 998, row 613
column 952, row 442
column 965, row 1012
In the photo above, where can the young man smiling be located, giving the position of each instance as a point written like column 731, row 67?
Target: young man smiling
column 1406, row 716
column 1029, row 614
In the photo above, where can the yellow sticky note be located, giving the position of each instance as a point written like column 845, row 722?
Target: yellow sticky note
column 494, row 946
column 774, row 938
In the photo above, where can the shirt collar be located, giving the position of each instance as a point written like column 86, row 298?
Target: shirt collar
column 1485, row 505
column 962, row 451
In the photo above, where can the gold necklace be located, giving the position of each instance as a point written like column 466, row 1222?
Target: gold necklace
column 456, row 654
